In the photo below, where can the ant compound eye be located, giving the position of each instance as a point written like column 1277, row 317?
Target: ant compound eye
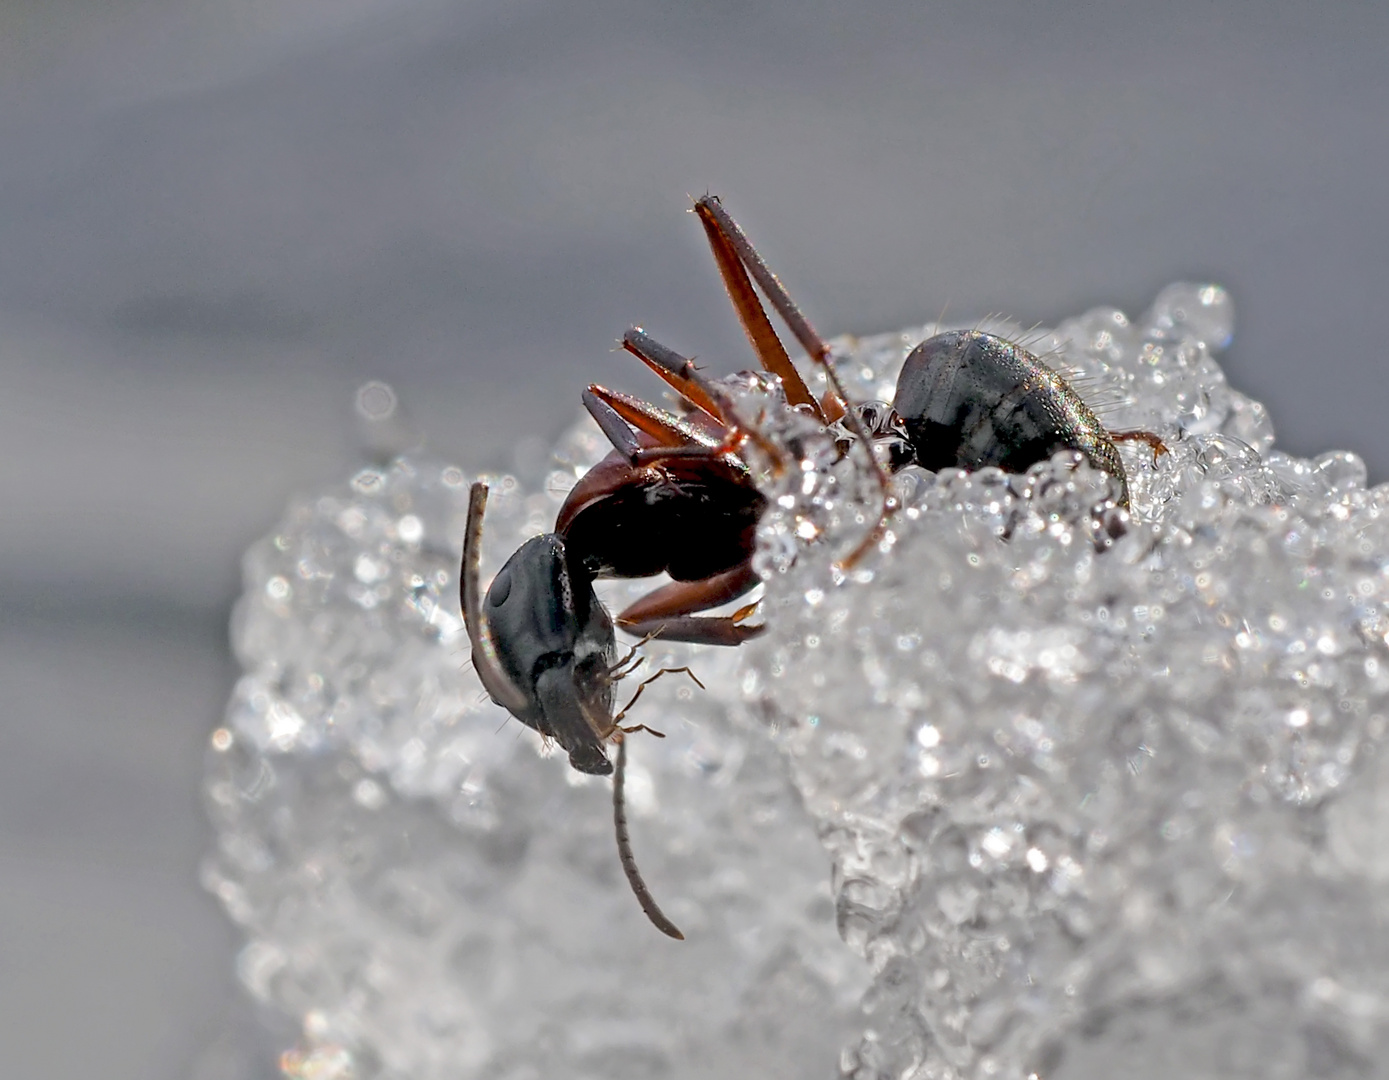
column 500, row 589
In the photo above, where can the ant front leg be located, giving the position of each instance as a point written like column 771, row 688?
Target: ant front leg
column 669, row 613
column 617, row 720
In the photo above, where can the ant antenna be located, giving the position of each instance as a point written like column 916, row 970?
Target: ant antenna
column 624, row 840
column 624, row 850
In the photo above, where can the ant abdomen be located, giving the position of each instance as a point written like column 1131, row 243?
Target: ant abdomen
column 968, row 399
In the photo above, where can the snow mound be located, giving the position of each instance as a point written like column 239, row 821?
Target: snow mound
column 1083, row 791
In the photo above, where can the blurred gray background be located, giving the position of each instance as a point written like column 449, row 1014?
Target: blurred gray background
column 218, row 217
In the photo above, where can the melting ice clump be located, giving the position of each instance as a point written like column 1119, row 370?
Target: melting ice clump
column 1099, row 794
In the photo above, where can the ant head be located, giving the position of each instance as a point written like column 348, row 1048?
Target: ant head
column 542, row 643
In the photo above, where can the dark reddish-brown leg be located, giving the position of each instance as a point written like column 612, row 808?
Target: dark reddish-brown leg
column 617, row 720
column 670, row 612
column 765, row 343
column 1153, row 442
column 679, row 371
column 732, row 247
column 621, row 416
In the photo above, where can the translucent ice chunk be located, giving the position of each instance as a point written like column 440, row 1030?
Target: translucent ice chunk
column 432, row 894
column 1101, row 792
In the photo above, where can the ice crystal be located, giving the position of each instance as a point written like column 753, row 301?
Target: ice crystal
column 1099, row 788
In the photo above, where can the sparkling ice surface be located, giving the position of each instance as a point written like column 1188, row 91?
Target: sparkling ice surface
column 1083, row 793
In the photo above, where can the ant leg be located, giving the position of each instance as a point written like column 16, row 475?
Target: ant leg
column 717, row 222
column 624, row 851
column 616, row 673
column 624, row 419
column 771, row 354
column 621, row 417
column 610, row 422
column 669, row 612
column 1154, row 443
column 644, row 684
column 681, row 374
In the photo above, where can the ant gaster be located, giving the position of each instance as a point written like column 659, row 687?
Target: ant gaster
column 969, row 399
column 677, row 496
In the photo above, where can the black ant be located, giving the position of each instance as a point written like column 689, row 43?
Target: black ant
column 676, row 495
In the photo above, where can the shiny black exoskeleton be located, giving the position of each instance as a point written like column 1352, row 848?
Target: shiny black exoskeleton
column 559, row 649
column 969, row 399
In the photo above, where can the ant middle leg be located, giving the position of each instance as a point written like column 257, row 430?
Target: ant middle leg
column 682, row 375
